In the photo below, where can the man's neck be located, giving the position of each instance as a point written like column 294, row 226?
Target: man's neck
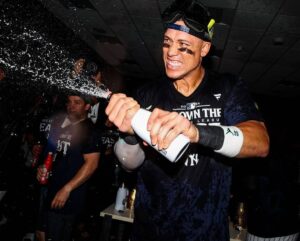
column 74, row 122
column 187, row 85
column 69, row 121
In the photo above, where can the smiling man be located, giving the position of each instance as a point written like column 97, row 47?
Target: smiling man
column 188, row 200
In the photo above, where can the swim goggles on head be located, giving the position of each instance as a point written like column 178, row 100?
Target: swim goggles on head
column 195, row 16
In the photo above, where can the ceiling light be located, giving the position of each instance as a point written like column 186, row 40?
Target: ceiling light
column 278, row 41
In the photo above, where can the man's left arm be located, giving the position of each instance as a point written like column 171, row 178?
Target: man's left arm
column 84, row 173
column 242, row 134
column 256, row 139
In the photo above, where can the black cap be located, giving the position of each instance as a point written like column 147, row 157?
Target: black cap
column 85, row 97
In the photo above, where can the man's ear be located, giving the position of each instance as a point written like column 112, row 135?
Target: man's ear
column 205, row 48
column 87, row 107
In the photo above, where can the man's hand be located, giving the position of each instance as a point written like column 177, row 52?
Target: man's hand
column 120, row 111
column 165, row 126
column 61, row 198
column 41, row 173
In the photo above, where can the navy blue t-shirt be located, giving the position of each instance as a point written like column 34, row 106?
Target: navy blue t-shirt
column 188, row 200
column 72, row 142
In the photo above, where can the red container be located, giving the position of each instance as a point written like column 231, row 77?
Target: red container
column 48, row 166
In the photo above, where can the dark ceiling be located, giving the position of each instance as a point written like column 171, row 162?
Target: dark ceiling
column 257, row 39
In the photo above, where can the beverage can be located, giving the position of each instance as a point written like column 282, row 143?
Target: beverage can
column 47, row 167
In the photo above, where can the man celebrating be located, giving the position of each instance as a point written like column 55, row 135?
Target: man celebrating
column 188, row 200
column 76, row 149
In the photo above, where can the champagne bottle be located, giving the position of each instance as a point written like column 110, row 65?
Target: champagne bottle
column 176, row 148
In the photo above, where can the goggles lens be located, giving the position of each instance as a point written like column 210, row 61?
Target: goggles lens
column 194, row 14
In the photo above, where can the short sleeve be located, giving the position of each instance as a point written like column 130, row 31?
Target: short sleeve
column 240, row 105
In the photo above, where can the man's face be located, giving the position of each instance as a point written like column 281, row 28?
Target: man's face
column 76, row 108
column 97, row 78
column 182, row 53
column 78, row 66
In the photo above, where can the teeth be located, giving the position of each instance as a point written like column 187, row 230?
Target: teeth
column 174, row 63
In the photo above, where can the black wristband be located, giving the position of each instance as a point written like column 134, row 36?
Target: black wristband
column 211, row 136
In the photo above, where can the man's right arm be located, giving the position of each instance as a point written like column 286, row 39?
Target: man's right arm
column 120, row 111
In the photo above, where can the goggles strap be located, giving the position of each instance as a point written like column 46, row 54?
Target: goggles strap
column 186, row 29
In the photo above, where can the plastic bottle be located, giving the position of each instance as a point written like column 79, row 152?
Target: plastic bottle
column 121, row 198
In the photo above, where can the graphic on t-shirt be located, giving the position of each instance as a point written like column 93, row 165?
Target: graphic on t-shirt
column 45, row 127
column 200, row 114
column 108, row 141
column 217, row 96
column 192, row 160
column 64, row 143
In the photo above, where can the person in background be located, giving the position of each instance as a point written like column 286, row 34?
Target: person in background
column 49, row 110
column 84, row 67
column 187, row 200
column 77, row 155
column 2, row 73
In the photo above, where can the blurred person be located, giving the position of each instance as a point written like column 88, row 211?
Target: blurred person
column 87, row 68
column 76, row 71
column 187, row 200
column 2, row 73
column 97, row 113
column 100, row 191
column 50, row 110
column 77, row 153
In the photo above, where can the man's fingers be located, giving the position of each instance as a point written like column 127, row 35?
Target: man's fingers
column 155, row 114
column 166, row 126
column 120, row 111
column 113, row 104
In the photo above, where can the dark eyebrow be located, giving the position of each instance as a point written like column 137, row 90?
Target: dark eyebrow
column 184, row 41
column 166, row 37
column 178, row 40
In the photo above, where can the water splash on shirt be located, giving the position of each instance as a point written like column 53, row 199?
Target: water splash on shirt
column 28, row 52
